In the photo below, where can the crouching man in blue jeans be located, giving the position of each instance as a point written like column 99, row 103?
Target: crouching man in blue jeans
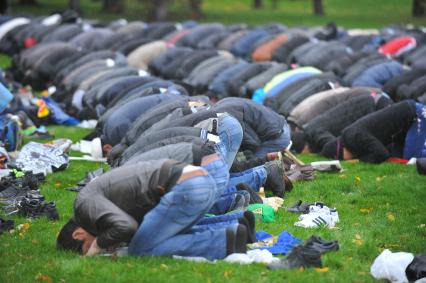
column 151, row 206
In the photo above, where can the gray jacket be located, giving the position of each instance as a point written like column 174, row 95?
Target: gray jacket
column 111, row 206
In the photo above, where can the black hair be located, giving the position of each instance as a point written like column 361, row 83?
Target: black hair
column 65, row 240
column 298, row 139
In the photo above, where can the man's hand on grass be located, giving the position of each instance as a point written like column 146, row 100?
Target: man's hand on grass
column 94, row 249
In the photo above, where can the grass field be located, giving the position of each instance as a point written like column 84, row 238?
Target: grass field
column 354, row 14
column 380, row 206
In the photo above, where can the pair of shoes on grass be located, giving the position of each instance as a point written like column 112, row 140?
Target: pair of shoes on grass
column 244, row 233
column 306, row 255
column 37, row 207
column 315, row 215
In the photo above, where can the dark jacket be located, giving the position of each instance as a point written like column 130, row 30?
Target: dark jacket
column 378, row 75
column 184, row 152
column 192, row 61
column 361, row 65
column 369, row 137
column 160, row 64
column 320, row 56
column 206, row 71
column 119, row 122
column 414, row 90
column 259, row 123
column 405, row 78
column 281, row 53
column 260, row 80
column 63, row 33
column 113, row 205
column 329, row 125
column 218, row 86
column 276, row 101
column 165, row 142
column 92, row 56
column 238, row 79
column 321, row 102
column 198, row 33
column 155, row 115
column 144, row 141
column 313, row 86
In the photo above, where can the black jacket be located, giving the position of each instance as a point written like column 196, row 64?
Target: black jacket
column 259, row 123
column 329, row 125
column 369, row 137
column 144, row 141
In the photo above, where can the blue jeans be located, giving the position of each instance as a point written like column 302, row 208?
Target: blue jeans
column 415, row 140
column 231, row 135
column 276, row 144
column 254, row 177
column 231, row 201
column 219, row 171
column 218, row 222
column 166, row 229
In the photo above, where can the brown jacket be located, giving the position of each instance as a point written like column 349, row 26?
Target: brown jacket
column 264, row 51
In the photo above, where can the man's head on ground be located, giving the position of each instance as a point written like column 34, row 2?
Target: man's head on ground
column 74, row 238
column 298, row 140
column 335, row 149
column 105, row 146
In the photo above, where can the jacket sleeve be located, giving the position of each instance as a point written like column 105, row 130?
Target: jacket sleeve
column 318, row 138
column 112, row 224
column 367, row 148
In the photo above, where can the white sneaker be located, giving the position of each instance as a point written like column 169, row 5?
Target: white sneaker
column 315, row 220
column 318, row 216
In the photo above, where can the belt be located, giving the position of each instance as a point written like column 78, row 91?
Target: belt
column 209, row 158
column 195, row 173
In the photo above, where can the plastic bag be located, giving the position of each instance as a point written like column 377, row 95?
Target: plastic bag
column 391, row 266
column 42, row 158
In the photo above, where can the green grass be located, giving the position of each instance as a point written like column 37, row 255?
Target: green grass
column 354, row 14
column 380, row 206
column 366, row 207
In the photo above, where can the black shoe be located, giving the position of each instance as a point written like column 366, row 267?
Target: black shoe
column 321, row 245
column 238, row 203
column 416, row 269
column 6, row 225
column 421, row 165
column 49, row 210
column 230, row 241
column 89, row 177
column 241, row 239
column 249, row 221
column 300, row 256
column 254, row 197
column 35, row 194
column 11, row 193
column 275, row 178
column 36, row 208
column 300, row 207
